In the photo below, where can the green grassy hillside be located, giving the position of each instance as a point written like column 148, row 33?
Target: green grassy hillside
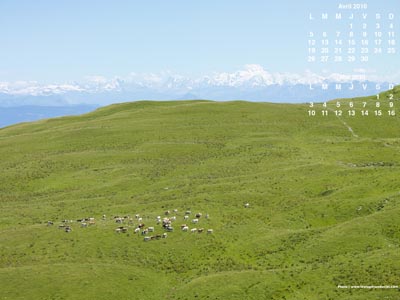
column 324, row 202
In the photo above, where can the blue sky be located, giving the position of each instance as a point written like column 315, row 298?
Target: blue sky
column 67, row 40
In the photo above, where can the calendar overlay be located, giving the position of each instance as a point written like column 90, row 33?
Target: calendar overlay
column 353, row 36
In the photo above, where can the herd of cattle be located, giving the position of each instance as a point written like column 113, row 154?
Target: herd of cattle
column 127, row 224
column 137, row 226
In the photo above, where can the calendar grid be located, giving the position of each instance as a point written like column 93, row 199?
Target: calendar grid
column 353, row 37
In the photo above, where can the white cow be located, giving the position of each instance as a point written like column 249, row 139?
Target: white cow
column 195, row 221
column 193, row 230
column 210, row 231
column 185, row 228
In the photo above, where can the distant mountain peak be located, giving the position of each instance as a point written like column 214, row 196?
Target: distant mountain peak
column 253, row 82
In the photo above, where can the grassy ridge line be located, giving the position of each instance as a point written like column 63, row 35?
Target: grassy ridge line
column 306, row 179
column 384, row 95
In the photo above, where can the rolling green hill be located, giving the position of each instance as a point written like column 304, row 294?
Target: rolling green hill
column 324, row 202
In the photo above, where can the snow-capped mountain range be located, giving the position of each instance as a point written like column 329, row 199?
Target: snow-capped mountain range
column 252, row 83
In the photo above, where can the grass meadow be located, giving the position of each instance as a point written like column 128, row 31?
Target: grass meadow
column 324, row 202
